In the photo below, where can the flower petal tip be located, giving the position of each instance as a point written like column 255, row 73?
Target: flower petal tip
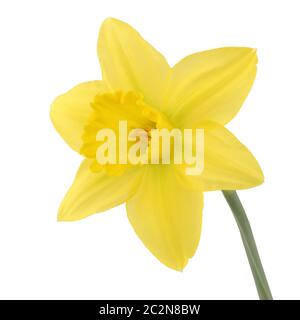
column 260, row 177
column 67, row 218
column 257, row 179
column 182, row 267
column 110, row 21
column 64, row 215
column 177, row 265
column 61, row 217
column 253, row 53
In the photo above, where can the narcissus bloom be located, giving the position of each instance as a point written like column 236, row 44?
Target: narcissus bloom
column 204, row 90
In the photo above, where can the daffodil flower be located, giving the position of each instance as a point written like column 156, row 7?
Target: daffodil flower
column 204, row 90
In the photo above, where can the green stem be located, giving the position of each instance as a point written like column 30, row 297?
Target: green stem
column 249, row 244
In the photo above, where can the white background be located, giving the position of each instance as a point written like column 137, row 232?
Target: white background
column 49, row 46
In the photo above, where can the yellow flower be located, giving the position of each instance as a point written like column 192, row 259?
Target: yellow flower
column 204, row 90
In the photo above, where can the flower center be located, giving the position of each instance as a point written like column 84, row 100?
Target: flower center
column 110, row 112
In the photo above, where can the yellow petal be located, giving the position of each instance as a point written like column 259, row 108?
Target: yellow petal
column 128, row 62
column 70, row 111
column 93, row 192
column 166, row 215
column 211, row 85
column 228, row 164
